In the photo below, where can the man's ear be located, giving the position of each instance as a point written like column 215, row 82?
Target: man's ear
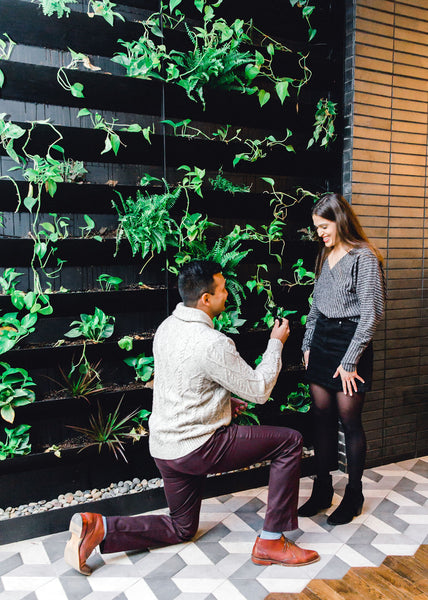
column 205, row 299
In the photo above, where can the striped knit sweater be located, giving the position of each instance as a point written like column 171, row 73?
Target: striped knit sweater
column 354, row 289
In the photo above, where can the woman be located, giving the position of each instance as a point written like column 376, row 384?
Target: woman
column 348, row 303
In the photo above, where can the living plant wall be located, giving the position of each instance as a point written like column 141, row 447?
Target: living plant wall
column 135, row 137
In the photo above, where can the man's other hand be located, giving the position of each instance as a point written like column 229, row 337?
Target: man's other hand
column 238, row 406
column 281, row 330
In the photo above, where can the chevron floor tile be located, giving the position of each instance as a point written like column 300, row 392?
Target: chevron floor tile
column 216, row 564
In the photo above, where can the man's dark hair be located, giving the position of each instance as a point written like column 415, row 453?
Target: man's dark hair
column 196, row 278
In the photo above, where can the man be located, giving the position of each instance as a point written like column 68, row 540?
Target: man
column 192, row 434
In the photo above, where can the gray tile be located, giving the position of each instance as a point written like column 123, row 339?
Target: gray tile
column 248, row 571
column 168, row 569
column 372, row 475
column 1, row 586
column 384, row 508
column 252, row 519
column 415, row 496
column 164, row 589
column 370, row 552
column 293, row 535
column 253, row 505
column 54, row 549
column 394, row 521
column 215, row 551
column 30, row 596
column 250, row 588
column 120, row 597
column 75, row 588
column 334, row 569
column 420, row 468
column 225, row 498
column 10, row 563
column 136, row 555
column 363, row 535
column 215, row 534
column 404, row 485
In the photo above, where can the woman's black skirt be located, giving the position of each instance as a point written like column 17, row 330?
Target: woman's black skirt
column 329, row 343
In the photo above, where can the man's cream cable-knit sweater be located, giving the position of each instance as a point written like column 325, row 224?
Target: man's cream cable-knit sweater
column 196, row 370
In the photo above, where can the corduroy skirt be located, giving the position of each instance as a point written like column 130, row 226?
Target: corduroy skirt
column 330, row 341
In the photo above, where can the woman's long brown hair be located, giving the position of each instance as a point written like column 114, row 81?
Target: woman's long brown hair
column 334, row 207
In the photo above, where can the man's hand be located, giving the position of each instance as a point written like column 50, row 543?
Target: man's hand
column 237, row 406
column 280, row 330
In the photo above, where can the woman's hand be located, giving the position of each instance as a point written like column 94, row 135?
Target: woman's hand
column 306, row 358
column 238, row 406
column 348, row 380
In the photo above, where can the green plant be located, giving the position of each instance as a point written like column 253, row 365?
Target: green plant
column 307, row 11
column 138, row 430
column 248, row 416
column 221, row 184
column 83, row 378
column 59, row 7
column 126, row 343
column 17, row 442
column 272, row 311
column 88, row 229
column 301, row 277
column 96, row 327
column 143, row 365
column 300, row 400
column 258, row 148
column 15, row 390
column 146, row 223
column 6, row 48
column 104, row 9
column 229, row 321
column 108, row 282
column 108, row 431
column 325, row 116
column 13, row 329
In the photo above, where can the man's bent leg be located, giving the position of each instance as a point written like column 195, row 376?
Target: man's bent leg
column 240, row 446
column 183, row 493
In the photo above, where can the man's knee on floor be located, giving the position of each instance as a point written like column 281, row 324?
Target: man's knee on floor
column 186, row 532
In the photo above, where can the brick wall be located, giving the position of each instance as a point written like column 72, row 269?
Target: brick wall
column 385, row 177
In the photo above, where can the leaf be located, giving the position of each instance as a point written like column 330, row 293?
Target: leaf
column 199, row 4
column 269, row 180
column 263, row 97
column 77, row 90
column 8, row 413
column 126, row 343
column 83, row 112
column 1, row 78
column 281, row 88
column 115, row 143
column 312, row 33
column 29, row 202
column 173, row 4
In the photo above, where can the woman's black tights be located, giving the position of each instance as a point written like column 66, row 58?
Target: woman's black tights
column 327, row 407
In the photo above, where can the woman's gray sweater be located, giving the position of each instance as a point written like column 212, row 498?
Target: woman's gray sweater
column 353, row 289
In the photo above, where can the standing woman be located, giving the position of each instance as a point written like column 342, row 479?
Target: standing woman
column 348, row 303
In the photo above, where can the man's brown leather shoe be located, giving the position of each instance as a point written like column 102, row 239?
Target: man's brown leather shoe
column 87, row 532
column 282, row 552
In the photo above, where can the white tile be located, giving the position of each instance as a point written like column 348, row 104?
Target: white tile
column 24, row 583
column 51, row 591
column 108, row 584
column 308, row 525
column 35, row 553
column 353, row 558
column 150, row 562
column 379, row 526
column 117, row 558
column 192, row 555
column 415, row 520
column 227, row 591
column 399, row 499
column 416, row 533
column 140, row 590
column 235, row 523
column 416, row 478
column 291, row 586
column 198, row 579
column 397, row 549
column 231, row 563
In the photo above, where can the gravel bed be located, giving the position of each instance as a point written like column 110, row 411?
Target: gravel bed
column 113, row 490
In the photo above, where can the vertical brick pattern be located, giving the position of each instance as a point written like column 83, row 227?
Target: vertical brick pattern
column 385, row 176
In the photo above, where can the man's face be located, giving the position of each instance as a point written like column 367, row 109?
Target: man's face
column 217, row 300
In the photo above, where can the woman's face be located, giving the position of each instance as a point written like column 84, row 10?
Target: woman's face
column 326, row 230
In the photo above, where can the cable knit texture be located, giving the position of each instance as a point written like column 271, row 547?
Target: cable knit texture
column 196, row 370
column 353, row 289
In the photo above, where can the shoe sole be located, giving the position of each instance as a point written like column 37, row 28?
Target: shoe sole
column 71, row 552
column 261, row 561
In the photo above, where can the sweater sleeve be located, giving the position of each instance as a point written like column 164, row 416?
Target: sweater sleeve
column 225, row 366
column 310, row 323
column 370, row 290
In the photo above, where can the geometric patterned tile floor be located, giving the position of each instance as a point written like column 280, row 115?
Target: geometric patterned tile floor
column 216, row 564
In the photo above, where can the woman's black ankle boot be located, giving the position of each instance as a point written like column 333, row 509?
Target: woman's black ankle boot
column 322, row 494
column 350, row 507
